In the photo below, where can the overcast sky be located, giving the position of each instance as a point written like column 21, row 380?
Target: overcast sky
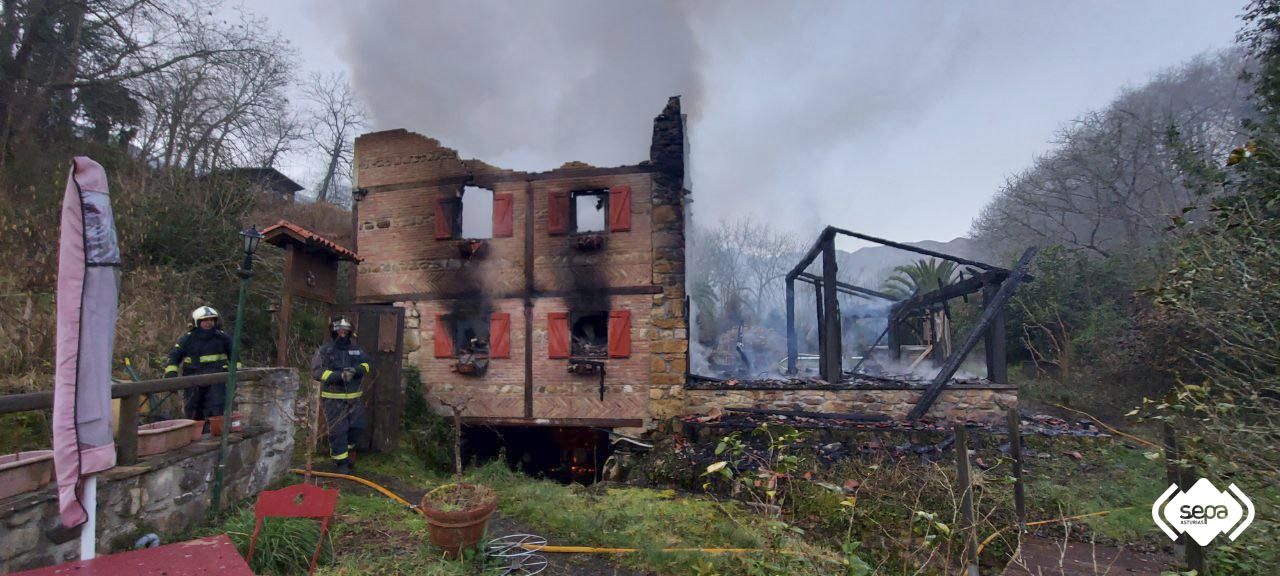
column 896, row 119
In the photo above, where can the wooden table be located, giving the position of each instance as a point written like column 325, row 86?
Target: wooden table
column 215, row 555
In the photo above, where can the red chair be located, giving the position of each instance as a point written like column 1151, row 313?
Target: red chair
column 297, row 501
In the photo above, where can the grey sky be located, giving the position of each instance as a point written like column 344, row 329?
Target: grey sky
column 896, row 119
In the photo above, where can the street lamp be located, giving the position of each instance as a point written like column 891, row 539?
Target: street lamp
column 250, row 237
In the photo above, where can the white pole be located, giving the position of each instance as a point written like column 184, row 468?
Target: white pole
column 89, row 531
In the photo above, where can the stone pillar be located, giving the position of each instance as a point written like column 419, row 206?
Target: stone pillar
column 669, row 336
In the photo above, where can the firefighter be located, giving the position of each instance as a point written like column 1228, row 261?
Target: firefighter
column 340, row 366
column 204, row 349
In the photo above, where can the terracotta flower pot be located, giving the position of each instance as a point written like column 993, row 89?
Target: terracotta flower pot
column 215, row 424
column 197, row 431
column 163, row 436
column 25, row 471
column 454, row 525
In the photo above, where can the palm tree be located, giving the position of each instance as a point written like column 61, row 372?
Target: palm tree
column 922, row 275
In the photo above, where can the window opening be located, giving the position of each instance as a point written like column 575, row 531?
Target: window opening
column 470, row 333
column 590, row 211
column 589, row 332
column 476, row 218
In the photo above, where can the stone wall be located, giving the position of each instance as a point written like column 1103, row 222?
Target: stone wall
column 978, row 403
column 166, row 493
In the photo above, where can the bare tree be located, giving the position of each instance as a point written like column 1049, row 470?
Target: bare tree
column 225, row 110
column 1114, row 178
column 50, row 48
column 336, row 116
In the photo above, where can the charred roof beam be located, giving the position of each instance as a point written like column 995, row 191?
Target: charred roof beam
column 846, row 288
column 964, row 287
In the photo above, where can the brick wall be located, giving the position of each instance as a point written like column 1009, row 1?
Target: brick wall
column 640, row 270
column 498, row 393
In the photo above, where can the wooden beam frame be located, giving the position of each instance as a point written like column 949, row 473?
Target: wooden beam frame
column 990, row 311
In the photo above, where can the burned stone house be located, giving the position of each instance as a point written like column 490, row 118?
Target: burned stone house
column 553, row 298
column 557, row 299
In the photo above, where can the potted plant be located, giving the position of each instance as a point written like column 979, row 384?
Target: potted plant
column 457, row 515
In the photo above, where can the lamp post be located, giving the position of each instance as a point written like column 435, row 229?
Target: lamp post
column 250, row 237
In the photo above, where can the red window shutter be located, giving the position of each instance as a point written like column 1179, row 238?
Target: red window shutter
column 503, row 215
column 557, row 335
column 444, row 218
column 500, row 335
column 443, row 338
column 619, row 333
column 620, row 209
column 558, row 212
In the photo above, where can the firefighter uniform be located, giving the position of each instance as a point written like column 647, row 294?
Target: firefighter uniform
column 341, row 366
column 201, row 351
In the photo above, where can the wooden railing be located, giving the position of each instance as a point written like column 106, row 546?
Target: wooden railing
column 130, row 395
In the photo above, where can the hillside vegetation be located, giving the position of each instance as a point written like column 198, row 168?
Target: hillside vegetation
column 167, row 97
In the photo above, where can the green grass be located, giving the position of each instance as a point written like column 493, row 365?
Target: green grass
column 618, row 517
column 284, row 546
column 1110, row 477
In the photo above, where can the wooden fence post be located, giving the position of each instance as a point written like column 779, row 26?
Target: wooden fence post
column 1015, row 450
column 1178, row 474
column 127, row 431
column 966, row 500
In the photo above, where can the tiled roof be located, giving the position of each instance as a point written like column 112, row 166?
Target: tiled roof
column 283, row 232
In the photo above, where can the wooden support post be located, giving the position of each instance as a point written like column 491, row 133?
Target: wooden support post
column 286, row 307
column 792, row 346
column 1192, row 553
column 127, row 432
column 822, row 333
column 893, row 341
column 1015, row 450
column 997, row 364
column 833, row 352
column 938, row 326
column 966, row 500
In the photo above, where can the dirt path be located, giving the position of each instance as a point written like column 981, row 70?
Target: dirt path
column 1044, row 557
column 499, row 525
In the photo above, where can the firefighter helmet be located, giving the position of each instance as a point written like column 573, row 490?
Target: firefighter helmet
column 340, row 323
column 202, row 313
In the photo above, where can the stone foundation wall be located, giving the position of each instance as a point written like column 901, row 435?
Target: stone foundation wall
column 976, row 404
column 166, row 493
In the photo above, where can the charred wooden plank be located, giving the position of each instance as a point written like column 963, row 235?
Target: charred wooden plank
column 847, row 288
column 813, row 252
column 967, row 286
column 910, row 248
column 792, row 345
column 832, row 351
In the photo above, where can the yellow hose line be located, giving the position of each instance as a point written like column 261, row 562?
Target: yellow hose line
column 595, row 550
column 384, row 491
column 1050, row 521
column 555, row 549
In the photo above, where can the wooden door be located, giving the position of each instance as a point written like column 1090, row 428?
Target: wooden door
column 380, row 332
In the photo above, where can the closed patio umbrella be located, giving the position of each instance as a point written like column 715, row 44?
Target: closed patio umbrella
column 88, row 292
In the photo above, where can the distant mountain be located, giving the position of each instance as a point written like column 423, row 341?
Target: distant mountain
column 868, row 266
